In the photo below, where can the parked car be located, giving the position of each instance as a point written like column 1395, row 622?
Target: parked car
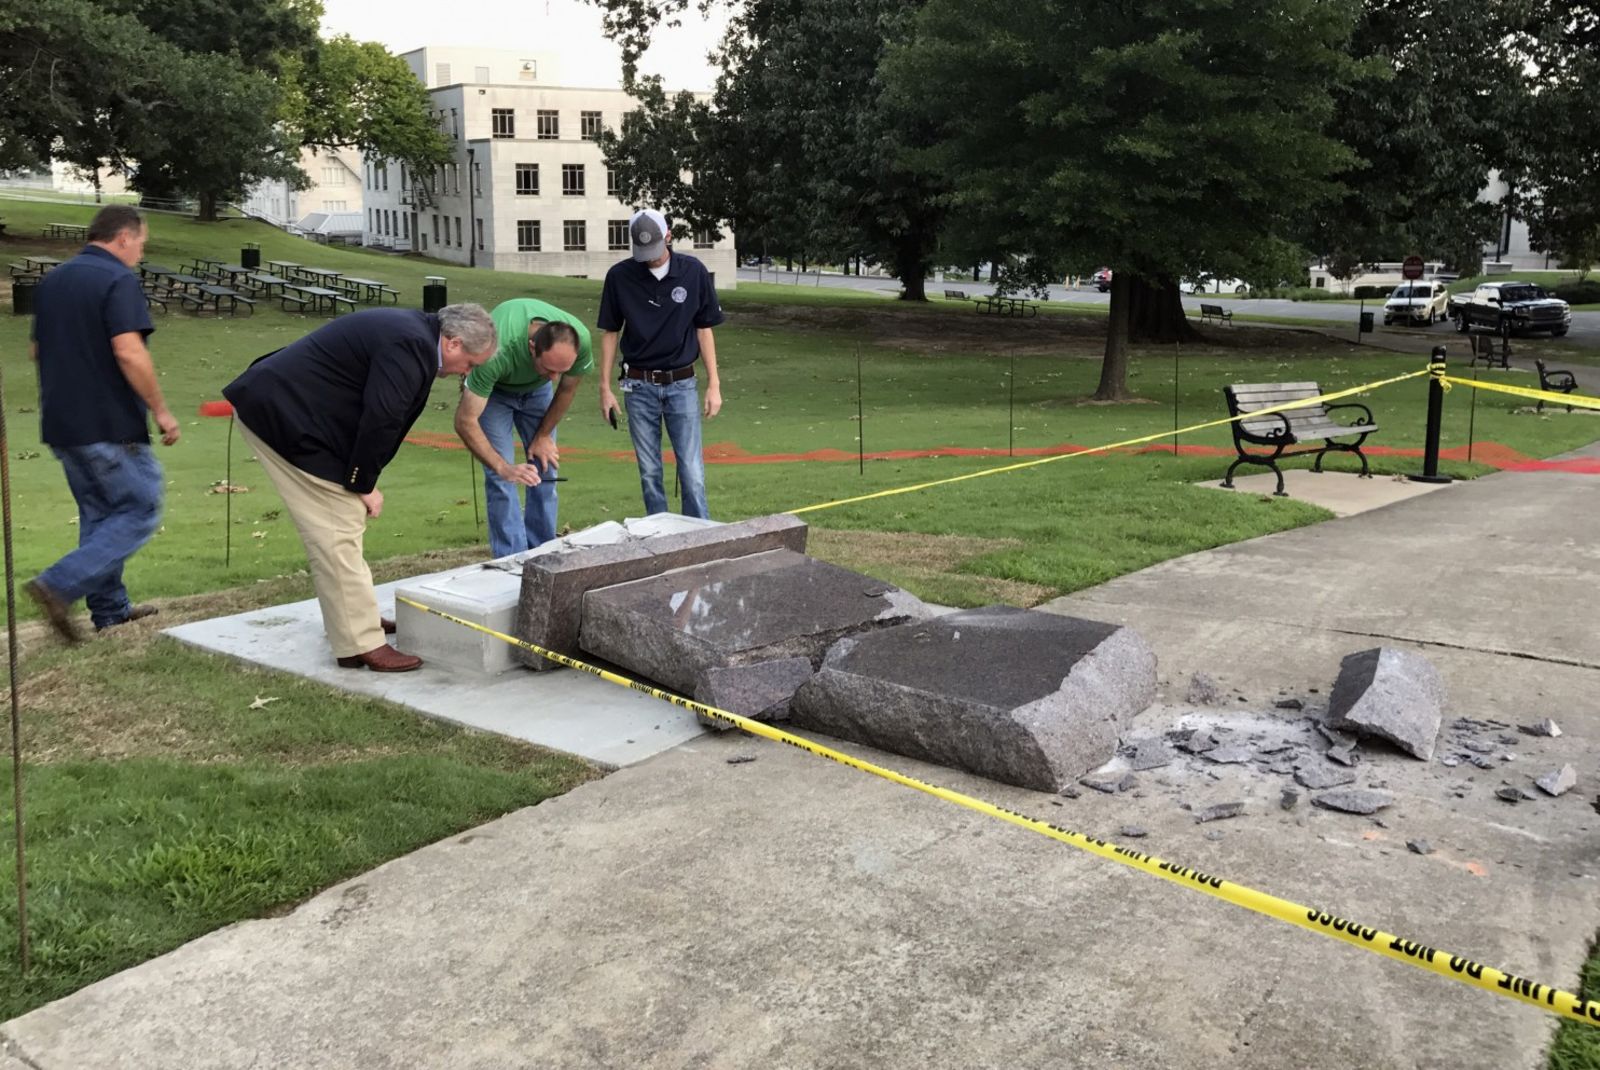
column 1207, row 284
column 1417, row 302
column 1101, row 279
column 1511, row 308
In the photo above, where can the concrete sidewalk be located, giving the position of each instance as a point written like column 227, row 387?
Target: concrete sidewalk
column 790, row 912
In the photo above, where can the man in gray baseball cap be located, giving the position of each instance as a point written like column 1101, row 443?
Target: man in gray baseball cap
column 662, row 307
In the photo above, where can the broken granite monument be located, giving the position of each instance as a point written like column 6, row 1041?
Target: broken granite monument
column 1391, row 694
column 1028, row 698
column 748, row 630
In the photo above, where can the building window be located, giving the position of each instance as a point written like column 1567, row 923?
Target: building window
column 458, row 232
column 455, row 124
column 332, row 206
column 422, row 239
column 333, row 176
column 589, row 125
column 527, row 180
column 611, row 183
column 436, row 229
column 441, row 73
column 703, row 239
column 478, row 226
column 405, row 225
column 617, row 234
column 527, row 235
column 383, row 170
column 370, row 227
column 480, row 74
column 572, row 180
column 549, row 125
column 504, row 121
column 575, row 235
column 477, row 178
column 529, row 71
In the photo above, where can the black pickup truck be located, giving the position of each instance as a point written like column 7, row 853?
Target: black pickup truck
column 1510, row 308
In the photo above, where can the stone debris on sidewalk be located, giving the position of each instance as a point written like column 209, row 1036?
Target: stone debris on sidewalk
column 1558, row 781
column 1546, row 727
column 1354, row 800
column 1392, row 694
column 1219, row 812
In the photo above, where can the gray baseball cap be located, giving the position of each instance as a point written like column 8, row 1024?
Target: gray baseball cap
column 648, row 228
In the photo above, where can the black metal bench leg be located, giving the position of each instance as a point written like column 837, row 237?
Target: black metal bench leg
column 1316, row 465
column 1227, row 480
column 1280, row 492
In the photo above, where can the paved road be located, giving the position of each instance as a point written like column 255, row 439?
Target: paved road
column 1585, row 325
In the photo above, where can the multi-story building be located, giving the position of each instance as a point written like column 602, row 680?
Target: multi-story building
column 528, row 189
column 336, row 186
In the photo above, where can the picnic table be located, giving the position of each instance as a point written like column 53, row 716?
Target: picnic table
column 234, row 271
column 1006, row 306
column 212, row 298
column 283, row 267
column 259, row 284
column 369, row 291
column 155, row 271
column 202, row 265
column 318, row 298
column 186, row 282
column 41, row 264
column 324, row 276
column 66, row 230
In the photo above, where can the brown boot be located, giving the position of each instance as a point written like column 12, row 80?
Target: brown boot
column 383, row 659
column 139, row 612
column 55, row 610
column 387, row 625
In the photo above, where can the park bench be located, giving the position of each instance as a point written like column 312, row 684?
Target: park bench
column 1208, row 313
column 1280, row 430
column 955, row 295
column 1556, row 381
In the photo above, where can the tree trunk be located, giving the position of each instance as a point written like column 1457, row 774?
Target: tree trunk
column 1114, row 369
column 977, row 272
column 208, row 208
column 911, row 265
column 994, row 269
column 1156, row 312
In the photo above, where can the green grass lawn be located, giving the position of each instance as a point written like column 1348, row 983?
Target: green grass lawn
column 1547, row 279
column 163, row 806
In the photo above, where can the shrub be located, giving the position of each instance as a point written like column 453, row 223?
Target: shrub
column 1297, row 293
column 1372, row 293
column 1586, row 292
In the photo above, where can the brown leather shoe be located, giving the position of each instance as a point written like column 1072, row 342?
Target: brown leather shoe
column 387, row 625
column 55, row 611
column 383, row 659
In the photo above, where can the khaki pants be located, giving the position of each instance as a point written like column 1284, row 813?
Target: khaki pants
column 332, row 523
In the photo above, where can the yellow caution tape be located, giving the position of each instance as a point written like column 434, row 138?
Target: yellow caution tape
column 1124, row 444
column 1437, row 371
column 1454, row 967
column 1580, row 401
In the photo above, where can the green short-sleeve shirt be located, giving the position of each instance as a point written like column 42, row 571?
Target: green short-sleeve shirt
column 511, row 368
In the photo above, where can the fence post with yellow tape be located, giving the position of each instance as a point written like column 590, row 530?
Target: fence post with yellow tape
column 1430, row 449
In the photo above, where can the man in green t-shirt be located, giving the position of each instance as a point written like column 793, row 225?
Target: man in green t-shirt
column 516, row 392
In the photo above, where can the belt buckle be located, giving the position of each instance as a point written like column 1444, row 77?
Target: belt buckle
column 661, row 378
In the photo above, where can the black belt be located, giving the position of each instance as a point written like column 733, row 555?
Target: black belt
column 659, row 378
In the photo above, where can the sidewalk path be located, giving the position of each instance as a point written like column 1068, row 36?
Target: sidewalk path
column 789, row 912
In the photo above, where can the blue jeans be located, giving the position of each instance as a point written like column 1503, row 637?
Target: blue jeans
column 677, row 406
column 118, row 491
column 513, row 529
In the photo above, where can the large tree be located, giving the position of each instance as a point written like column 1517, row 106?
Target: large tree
column 1163, row 138
column 802, row 149
column 1562, row 167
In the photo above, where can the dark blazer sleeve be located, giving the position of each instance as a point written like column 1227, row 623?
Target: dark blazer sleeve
column 396, row 379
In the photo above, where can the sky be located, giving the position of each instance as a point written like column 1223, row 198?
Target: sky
column 571, row 27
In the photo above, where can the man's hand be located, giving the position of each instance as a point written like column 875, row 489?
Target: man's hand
column 608, row 403
column 168, row 426
column 543, row 452
column 713, row 400
column 525, row 474
column 373, row 500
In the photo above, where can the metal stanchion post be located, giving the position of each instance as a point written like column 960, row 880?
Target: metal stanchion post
column 1430, row 448
column 1011, row 409
column 861, row 430
column 16, row 703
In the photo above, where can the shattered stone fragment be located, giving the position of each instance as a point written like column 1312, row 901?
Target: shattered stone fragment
column 1546, row 727
column 1288, row 799
column 1392, row 694
column 1317, row 775
column 1289, row 704
column 1197, row 742
column 1111, row 783
column 1421, row 847
column 1133, row 832
column 1203, row 690
column 1481, row 762
column 1451, row 762
column 1149, row 754
column 741, row 759
column 1509, row 794
column 1478, row 746
column 1558, row 781
column 1354, row 800
column 1230, row 754
column 1343, row 755
column 1219, row 812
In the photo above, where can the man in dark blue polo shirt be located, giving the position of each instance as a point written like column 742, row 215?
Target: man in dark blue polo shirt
column 97, row 387
column 663, row 305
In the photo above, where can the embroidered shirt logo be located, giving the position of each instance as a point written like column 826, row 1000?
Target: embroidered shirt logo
column 679, row 295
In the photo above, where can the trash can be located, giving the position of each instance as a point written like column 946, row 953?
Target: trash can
column 1366, row 322
column 22, row 295
column 250, row 255
column 434, row 296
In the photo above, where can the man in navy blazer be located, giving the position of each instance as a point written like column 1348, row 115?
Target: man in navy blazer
column 325, row 415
